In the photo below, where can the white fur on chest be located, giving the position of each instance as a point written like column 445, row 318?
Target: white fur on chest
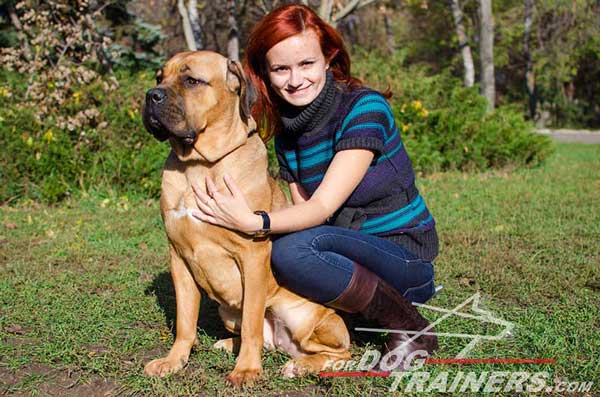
column 182, row 212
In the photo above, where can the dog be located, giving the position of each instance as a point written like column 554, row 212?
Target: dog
column 201, row 105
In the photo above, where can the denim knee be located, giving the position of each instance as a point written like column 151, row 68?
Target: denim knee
column 286, row 255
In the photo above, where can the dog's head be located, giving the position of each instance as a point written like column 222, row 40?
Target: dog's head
column 201, row 103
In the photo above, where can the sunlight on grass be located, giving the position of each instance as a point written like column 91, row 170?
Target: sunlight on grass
column 85, row 287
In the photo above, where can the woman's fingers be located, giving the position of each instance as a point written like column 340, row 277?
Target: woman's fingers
column 233, row 188
column 211, row 188
column 200, row 195
column 205, row 217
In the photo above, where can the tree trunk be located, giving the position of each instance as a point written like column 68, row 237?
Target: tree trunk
column 486, row 40
column 187, row 27
column 529, row 72
column 463, row 44
column 195, row 24
column 325, row 9
column 233, row 39
column 389, row 32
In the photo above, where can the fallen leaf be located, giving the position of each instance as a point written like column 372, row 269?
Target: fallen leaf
column 466, row 281
column 499, row 228
column 11, row 225
column 15, row 329
column 145, row 277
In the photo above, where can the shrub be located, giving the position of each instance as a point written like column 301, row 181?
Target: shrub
column 95, row 140
column 45, row 160
column 444, row 125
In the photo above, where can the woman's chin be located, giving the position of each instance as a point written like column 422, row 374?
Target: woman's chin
column 301, row 100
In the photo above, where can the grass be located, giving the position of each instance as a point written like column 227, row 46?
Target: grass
column 86, row 298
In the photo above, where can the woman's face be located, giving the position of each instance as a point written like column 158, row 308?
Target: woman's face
column 297, row 68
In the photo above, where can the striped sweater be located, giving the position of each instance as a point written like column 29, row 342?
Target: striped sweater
column 386, row 203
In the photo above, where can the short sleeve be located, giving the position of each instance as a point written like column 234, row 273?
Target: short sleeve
column 284, row 167
column 367, row 125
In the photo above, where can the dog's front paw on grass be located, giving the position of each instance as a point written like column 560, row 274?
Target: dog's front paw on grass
column 164, row 366
column 244, row 377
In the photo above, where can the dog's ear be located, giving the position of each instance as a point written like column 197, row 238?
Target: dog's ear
column 237, row 82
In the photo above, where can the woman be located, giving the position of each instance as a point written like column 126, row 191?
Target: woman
column 359, row 237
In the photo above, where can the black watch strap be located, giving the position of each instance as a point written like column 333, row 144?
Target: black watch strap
column 266, row 227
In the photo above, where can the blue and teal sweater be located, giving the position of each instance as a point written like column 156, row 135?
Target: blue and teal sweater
column 386, row 203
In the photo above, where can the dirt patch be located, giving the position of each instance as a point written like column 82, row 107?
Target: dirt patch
column 43, row 380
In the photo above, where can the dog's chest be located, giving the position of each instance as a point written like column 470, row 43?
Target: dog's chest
column 212, row 266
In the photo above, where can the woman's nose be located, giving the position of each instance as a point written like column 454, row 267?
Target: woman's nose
column 296, row 79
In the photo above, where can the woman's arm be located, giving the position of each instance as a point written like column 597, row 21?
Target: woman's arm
column 345, row 172
column 298, row 193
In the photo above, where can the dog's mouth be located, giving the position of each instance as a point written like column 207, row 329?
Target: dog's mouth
column 155, row 125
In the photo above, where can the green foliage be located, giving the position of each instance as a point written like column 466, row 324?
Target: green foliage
column 45, row 161
column 445, row 125
column 134, row 49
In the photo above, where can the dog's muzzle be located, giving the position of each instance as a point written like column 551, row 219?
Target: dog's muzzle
column 156, row 100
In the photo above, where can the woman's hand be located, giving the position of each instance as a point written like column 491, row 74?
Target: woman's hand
column 229, row 210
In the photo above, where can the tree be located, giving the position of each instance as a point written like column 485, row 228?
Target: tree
column 463, row 43
column 333, row 16
column 486, row 52
column 233, row 38
column 192, row 29
column 529, row 72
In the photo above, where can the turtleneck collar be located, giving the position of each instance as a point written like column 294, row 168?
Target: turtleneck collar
column 300, row 120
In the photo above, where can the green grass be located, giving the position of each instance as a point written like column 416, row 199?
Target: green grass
column 86, row 297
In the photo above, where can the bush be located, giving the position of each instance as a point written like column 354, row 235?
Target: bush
column 95, row 140
column 444, row 125
column 45, row 160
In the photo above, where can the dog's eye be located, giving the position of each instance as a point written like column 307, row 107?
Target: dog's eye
column 192, row 81
column 158, row 79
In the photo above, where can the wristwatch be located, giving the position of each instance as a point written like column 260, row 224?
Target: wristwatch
column 266, row 226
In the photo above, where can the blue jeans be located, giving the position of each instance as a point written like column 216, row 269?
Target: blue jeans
column 318, row 263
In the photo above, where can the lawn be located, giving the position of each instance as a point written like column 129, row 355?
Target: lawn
column 86, row 298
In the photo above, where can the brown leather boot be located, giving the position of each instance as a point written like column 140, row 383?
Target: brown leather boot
column 377, row 300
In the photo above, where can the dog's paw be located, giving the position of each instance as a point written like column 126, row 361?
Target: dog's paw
column 228, row 344
column 294, row 369
column 164, row 366
column 244, row 377
column 301, row 366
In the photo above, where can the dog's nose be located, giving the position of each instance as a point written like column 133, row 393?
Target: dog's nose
column 156, row 95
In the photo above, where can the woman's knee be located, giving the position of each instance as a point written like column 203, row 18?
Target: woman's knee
column 288, row 251
column 293, row 252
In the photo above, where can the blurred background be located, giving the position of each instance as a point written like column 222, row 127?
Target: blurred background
column 471, row 80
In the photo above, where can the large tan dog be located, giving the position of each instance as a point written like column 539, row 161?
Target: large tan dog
column 201, row 105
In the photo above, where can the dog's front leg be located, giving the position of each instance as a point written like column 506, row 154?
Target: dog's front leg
column 187, row 296
column 255, row 272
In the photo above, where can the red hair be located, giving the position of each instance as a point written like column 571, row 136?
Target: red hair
column 278, row 25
